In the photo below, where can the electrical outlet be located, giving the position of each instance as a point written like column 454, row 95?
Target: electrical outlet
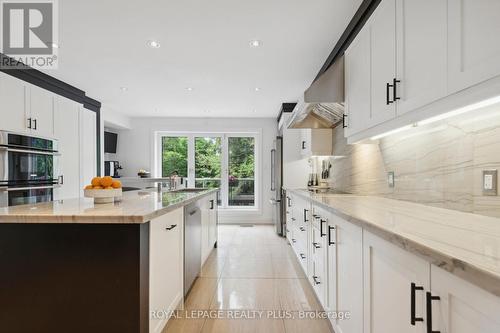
column 490, row 182
column 390, row 179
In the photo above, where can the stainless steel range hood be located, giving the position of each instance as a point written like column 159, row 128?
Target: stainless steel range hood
column 323, row 103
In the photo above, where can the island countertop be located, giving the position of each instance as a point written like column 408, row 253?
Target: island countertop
column 135, row 207
column 465, row 244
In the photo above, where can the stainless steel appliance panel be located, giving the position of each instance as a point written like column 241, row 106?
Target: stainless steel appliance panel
column 276, row 186
column 192, row 245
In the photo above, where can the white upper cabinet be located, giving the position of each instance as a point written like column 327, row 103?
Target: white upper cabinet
column 421, row 40
column 41, row 111
column 474, row 50
column 26, row 108
column 461, row 307
column 316, row 142
column 382, row 25
column 357, row 82
column 13, row 100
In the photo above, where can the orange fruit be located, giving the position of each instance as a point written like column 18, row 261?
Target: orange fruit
column 88, row 187
column 96, row 181
column 98, row 187
column 116, row 184
column 106, row 181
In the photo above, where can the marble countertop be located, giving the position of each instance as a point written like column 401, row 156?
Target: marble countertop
column 135, row 207
column 465, row 244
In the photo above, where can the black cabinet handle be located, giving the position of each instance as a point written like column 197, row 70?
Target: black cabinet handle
column 302, row 229
column 394, row 88
column 316, row 245
column 305, row 215
column 293, row 219
column 302, row 255
column 413, row 318
column 429, row 299
column 344, row 123
column 192, row 212
column 34, row 124
column 29, row 123
column 289, row 202
column 321, row 227
column 211, row 204
column 294, row 240
column 61, row 180
column 387, row 88
column 171, row 227
column 330, row 242
column 315, row 278
column 316, row 216
column 303, row 145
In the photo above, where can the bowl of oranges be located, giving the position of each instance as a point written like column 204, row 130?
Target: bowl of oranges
column 103, row 190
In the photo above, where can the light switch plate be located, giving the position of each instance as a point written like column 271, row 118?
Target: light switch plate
column 490, row 182
column 390, row 179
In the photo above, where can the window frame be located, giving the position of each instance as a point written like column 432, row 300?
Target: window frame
column 224, row 189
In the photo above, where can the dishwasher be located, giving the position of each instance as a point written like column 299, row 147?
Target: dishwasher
column 192, row 245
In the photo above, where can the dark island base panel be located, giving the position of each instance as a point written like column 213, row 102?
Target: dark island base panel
column 74, row 278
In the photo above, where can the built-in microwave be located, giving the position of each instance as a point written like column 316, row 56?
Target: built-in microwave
column 28, row 169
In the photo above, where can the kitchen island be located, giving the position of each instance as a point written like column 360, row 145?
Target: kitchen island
column 73, row 265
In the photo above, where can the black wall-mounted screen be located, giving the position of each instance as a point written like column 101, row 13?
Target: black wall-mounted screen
column 110, row 140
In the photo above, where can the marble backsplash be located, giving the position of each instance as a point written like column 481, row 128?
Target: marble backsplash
column 439, row 164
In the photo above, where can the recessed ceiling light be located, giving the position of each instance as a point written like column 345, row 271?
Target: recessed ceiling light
column 189, row 89
column 255, row 43
column 207, row 111
column 154, row 44
column 254, row 110
column 257, row 89
column 123, row 88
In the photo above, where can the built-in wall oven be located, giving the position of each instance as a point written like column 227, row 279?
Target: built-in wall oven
column 28, row 169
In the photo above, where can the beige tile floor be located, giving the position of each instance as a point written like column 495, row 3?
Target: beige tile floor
column 252, row 269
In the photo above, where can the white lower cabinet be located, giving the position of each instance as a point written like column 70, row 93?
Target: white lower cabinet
column 395, row 282
column 349, row 275
column 208, row 207
column 461, row 307
column 381, row 287
column 166, row 253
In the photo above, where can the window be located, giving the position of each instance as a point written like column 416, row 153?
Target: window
column 224, row 161
column 241, row 171
column 174, row 156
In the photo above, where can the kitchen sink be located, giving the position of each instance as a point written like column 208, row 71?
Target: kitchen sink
column 189, row 190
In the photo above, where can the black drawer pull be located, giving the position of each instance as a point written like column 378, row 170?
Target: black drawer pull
column 330, row 242
column 316, row 245
column 394, row 88
column 302, row 229
column 387, row 88
column 429, row 299
column 171, row 227
column 302, row 255
column 294, row 240
column 344, row 123
column 413, row 317
column 211, row 204
column 315, row 278
column 34, row 124
column 321, row 227
column 305, row 215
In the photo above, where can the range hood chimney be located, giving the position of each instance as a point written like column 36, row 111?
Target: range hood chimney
column 323, row 102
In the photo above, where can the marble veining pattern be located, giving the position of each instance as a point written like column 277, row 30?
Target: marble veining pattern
column 135, row 207
column 437, row 164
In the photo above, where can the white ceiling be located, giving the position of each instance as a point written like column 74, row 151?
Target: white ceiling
column 204, row 45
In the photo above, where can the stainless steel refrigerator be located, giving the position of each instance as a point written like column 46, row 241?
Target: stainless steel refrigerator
column 277, row 193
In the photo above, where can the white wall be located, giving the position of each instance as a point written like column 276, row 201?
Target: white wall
column 136, row 151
